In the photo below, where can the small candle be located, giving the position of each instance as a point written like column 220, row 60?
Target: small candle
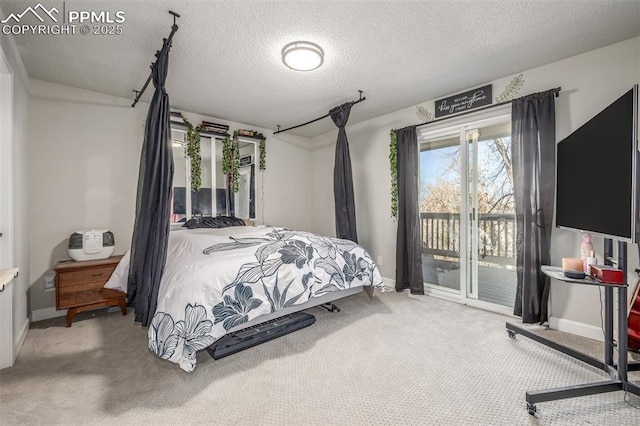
column 572, row 264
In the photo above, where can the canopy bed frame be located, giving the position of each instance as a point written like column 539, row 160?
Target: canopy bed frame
column 192, row 287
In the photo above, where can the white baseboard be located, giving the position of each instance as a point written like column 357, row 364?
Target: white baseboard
column 561, row 324
column 388, row 282
column 17, row 344
column 46, row 313
column 578, row 328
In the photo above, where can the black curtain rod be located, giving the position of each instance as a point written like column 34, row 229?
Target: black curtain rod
column 139, row 93
column 556, row 91
column 319, row 118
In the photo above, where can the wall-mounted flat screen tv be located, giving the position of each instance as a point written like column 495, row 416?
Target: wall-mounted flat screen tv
column 597, row 173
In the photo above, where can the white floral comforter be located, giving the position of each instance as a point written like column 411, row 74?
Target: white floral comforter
column 216, row 279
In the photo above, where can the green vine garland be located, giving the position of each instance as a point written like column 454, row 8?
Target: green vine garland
column 231, row 156
column 263, row 154
column 393, row 164
column 231, row 160
column 192, row 150
column 226, row 155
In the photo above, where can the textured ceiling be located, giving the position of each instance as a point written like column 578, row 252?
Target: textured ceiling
column 225, row 61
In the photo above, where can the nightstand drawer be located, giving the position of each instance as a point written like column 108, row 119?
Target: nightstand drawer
column 96, row 274
column 79, row 286
column 90, row 297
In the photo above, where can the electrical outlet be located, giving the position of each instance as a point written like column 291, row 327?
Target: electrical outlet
column 379, row 261
column 49, row 281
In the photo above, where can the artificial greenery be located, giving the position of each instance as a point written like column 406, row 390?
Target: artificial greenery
column 192, row 150
column 235, row 176
column 227, row 154
column 393, row 164
column 511, row 90
column 231, row 156
column 263, row 154
column 231, row 161
column 424, row 114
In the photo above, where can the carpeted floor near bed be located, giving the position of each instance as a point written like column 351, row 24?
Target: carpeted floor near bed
column 401, row 359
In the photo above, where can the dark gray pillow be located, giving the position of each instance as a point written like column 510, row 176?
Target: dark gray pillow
column 213, row 222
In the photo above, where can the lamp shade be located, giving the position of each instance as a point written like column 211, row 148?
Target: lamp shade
column 302, row 56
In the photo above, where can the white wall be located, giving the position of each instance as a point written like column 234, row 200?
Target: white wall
column 369, row 151
column 20, row 163
column 589, row 83
column 84, row 159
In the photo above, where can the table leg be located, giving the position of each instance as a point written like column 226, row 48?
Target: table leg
column 123, row 306
column 622, row 333
column 71, row 312
column 608, row 325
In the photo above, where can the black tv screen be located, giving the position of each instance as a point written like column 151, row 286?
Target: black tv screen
column 596, row 173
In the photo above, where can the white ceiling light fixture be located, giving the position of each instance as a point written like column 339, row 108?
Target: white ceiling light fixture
column 302, row 56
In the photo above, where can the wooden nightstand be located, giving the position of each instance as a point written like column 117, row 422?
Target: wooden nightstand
column 79, row 286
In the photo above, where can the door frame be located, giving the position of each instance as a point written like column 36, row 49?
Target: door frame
column 8, row 350
column 6, row 164
column 461, row 126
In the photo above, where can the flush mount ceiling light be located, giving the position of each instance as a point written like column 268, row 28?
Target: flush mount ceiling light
column 302, row 56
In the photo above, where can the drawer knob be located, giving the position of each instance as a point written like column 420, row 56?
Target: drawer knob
column 97, row 274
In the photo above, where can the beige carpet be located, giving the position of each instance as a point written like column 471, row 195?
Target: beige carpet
column 405, row 360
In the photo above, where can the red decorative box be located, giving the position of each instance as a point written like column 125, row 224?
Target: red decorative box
column 606, row 274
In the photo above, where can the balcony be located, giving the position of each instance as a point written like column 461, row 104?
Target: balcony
column 440, row 236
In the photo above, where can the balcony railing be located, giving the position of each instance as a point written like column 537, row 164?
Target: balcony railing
column 496, row 235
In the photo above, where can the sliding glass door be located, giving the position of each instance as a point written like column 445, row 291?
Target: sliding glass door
column 467, row 213
column 492, row 217
column 440, row 206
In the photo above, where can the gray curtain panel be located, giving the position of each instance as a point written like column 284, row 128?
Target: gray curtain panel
column 151, row 228
column 408, row 244
column 345, row 208
column 534, row 151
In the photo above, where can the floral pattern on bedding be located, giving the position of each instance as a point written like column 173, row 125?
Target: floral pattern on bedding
column 251, row 276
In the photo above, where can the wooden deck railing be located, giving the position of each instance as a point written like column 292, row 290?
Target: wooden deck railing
column 440, row 234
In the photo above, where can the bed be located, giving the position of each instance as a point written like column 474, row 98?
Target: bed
column 220, row 280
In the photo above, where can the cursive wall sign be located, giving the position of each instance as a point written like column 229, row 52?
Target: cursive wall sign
column 464, row 101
